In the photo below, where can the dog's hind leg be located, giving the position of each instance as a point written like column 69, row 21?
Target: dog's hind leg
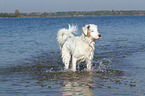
column 88, row 62
column 66, row 57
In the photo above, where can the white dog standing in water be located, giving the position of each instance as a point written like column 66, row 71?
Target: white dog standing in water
column 78, row 48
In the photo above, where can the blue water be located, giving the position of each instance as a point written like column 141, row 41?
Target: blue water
column 30, row 59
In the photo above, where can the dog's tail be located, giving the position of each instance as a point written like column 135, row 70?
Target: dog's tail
column 63, row 34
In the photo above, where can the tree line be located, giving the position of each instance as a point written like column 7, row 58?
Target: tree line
column 76, row 13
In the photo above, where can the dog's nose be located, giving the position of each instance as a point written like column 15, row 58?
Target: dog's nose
column 99, row 35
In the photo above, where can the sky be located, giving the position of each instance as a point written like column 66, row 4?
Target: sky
column 28, row 6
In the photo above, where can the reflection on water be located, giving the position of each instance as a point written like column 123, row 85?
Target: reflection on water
column 81, row 84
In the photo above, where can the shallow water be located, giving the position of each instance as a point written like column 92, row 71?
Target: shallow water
column 30, row 60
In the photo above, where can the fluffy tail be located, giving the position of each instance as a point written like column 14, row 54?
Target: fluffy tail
column 63, row 34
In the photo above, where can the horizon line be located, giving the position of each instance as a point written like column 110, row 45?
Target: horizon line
column 75, row 11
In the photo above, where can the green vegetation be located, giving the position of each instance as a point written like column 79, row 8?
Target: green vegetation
column 76, row 13
column 17, row 13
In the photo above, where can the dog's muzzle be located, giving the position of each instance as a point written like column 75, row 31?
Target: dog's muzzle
column 98, row 37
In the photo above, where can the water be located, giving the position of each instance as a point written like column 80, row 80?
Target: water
column 30, row 59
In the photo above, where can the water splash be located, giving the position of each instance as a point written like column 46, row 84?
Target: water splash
column 102, row 64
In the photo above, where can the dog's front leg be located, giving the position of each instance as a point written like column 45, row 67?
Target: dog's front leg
column 74, row 61
column 88, row 62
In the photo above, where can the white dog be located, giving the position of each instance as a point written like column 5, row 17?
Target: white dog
column 78, row 48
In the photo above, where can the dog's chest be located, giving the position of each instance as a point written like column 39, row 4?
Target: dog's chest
column 83, row 51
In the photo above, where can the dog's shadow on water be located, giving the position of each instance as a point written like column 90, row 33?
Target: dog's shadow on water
column 81, row 82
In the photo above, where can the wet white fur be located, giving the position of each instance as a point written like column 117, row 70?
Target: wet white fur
column 78, row 48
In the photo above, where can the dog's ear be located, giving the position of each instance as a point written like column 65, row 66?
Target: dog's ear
column 85, row 29
column 88, row 27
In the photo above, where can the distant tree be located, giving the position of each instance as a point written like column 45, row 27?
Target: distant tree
column 17, row 13
column 113, row 11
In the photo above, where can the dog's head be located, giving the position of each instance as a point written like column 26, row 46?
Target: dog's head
column 91, row 31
